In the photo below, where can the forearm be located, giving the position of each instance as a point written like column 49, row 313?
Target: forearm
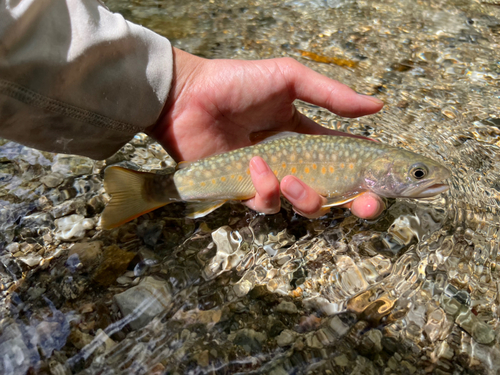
column 76, row 78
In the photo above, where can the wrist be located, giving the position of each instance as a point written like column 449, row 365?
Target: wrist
column 185, row 69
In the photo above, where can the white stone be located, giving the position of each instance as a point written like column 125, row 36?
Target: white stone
column 72, row 227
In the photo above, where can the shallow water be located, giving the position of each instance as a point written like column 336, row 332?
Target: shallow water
column 416, row 291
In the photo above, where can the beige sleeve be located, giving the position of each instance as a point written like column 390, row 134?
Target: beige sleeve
column 76, row 78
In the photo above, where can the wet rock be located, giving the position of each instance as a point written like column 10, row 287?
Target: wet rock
column 73, row 227
column 124, row 280
column 12, row 247
column 57, row 368
column 16, row 357
column 150, row 231
column 73, row 263
column 72, row 165
column 482, row 333
column 338, row 326
column 37, row 222
column 69, row 207
column 206, row 317
column 313, row 341
column 371, row 342
column 52, row 335
column 35, row 292
column 309, row 323
column 287, row 337
column 251, row 341
column 31, row 260
column 96, row 205
column 114, row 263
column 341, row 360
column 230, row 251
column 72, row 288
column 287, row 308
column 106, row 342
column 88, row 253
column 203, row 358
column 52, row 180
column 143, row 302
column 143, row 267
column 79, row 339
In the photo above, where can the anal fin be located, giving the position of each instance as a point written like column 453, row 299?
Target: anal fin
column 341, row 199
column 195, row 210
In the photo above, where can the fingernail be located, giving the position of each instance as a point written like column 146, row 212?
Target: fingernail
column 372, row 99
column 259, row 165
column 295, row 189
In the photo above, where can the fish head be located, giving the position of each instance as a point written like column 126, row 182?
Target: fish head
column 404, row 174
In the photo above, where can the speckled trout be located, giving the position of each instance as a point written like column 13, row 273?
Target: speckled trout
column 339, row 168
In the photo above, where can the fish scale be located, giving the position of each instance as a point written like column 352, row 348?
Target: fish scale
column 338, row 168
column 328, row 166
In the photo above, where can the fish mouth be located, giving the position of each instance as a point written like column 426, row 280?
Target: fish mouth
column 431, row 191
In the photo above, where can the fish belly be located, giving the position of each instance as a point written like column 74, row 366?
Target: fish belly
column 330, row 168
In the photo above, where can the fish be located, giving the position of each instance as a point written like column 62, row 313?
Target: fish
column 337, row 167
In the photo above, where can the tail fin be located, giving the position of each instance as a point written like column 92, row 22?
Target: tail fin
column 131, row 196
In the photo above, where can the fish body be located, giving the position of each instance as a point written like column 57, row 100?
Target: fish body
column 339, row 168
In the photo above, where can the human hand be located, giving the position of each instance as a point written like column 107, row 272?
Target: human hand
column 219, row 105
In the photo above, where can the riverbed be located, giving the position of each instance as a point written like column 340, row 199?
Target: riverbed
column 415, row 291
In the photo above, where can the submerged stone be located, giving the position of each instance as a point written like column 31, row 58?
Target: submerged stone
column 287, row 308
column 73, row 227
column 52, row 180
column 250, row 340
column 140, row 304
column 88, row 253
column 72, row 165
column 114, row 263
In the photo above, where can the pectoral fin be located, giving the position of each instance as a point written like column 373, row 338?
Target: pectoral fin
column 341, row 199
column 195, row 210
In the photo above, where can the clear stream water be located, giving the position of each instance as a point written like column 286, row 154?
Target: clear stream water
column 415, row 291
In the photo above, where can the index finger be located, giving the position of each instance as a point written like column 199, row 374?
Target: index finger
column 320, row 90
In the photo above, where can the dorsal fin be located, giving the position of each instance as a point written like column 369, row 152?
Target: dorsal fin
column 269, row 136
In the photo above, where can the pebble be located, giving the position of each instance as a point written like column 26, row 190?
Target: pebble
column 287, row 337
column 146, row 300
column 13, row 247
column 72, row 288
column 88, row 253
column 35, row 292
column 68, row 207
column 287, row 308
column 80, row 339
column 105, row 339
column 203, row 358
column 124, row 280
column 250, row 340
column 88, row 307
column 52, row 180
column 31, row 260
column 338, row 326
column 341, row 360
column 73, row 263
column 206, row 317
column 13, row 351
column 72, row 165
column 57, row 368
column 115, row 262
column 372, row 341
column 73, row 227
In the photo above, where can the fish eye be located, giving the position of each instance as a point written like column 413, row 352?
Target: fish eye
column 418, row 171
